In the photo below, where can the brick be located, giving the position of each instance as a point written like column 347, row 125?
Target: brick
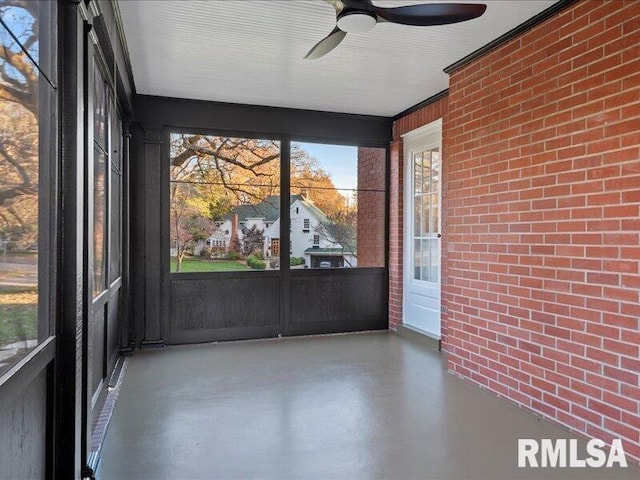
column 621, row 429
column 621, row 375
column 604, row 409
column 620, row 348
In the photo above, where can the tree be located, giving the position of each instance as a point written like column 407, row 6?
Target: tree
column 308, row 178
column 247, row 170
column 19, row 129
column 340, row 230
column 253, row 241
column 189, row 222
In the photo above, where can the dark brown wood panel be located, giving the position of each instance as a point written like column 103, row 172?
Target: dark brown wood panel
column 23, row 429
column 211, row 309
column 344, row 300
column 113, row 325
column 97, row 349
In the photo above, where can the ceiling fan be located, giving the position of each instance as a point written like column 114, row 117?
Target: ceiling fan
column 356, row 16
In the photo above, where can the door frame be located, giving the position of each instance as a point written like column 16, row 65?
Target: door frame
column 420, row 139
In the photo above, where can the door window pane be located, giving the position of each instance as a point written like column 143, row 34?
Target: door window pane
column 417, row 260
column 426, row 172
column 417, row 173
column 426, row 215
column 434, row 260
column 425, row 260
column 435, row 170
column 224, row 203
column 417, row 215
column 435, row 216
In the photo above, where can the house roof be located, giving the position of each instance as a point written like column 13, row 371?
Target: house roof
column 269, row 209
column 319, row 214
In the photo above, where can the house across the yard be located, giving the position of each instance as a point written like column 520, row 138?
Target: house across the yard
column 311, row 233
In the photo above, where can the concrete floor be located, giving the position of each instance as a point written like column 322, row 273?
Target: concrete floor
column 360, row 406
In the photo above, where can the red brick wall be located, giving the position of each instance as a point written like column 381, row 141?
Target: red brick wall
column 420, row 117
column 542, row 220
column 371, row 206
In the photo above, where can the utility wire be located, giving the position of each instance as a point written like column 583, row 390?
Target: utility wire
column 12, row 35
column 189, row 182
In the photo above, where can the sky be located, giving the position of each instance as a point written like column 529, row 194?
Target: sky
column 20, row 22
column 340, row 161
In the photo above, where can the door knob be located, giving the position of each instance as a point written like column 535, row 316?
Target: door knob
column 439, row 235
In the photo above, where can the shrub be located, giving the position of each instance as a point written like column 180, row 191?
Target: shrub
column 258, row 254
column 205, row 252
column 233, row 255
column 294, row 261
column 256, row 263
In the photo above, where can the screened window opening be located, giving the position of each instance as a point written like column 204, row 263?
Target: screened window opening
column 338, row 198
column 26, row 109
column 224, row 204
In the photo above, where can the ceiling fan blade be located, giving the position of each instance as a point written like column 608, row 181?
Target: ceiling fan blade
column 430, row 14
column 356, row 4
column 337, row 4
column 327, row 44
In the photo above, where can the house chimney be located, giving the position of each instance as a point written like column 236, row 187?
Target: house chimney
column 304, row 194
column 234, row 228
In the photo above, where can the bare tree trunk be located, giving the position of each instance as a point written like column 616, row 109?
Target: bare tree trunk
column 179, row 257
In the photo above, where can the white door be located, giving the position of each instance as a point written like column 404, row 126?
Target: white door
column 423, row 178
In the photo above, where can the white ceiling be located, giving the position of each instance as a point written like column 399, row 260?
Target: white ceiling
column 251, row 51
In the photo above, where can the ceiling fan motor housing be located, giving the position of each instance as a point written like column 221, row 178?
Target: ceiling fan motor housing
column 356, row 21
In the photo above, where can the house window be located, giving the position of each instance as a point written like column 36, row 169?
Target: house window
column 216, row 184
column 343, row 189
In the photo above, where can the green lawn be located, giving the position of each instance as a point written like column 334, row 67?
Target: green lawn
column 194, row 264
column 18, row 315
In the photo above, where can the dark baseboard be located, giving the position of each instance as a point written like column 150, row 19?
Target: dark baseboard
column 149, row 344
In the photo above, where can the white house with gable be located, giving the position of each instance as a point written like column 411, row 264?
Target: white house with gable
column 310, row 238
